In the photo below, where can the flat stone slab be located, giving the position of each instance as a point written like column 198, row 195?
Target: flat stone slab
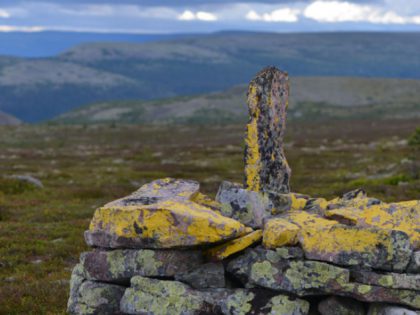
column 162, row 297
column 91, row 297
column 167, row 224
column 265, row 268
column 157, row 191
column 388, row 280
column 119, row 266
column 354, row 246
column 237, row 245
column 384, row 309
column 402, row 216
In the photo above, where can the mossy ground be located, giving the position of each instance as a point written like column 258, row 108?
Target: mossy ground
column 83, row 167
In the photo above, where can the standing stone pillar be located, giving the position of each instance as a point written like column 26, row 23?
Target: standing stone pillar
column 266, row 168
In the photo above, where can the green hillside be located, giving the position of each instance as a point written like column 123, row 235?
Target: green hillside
column 312, row 98
column 39, row 89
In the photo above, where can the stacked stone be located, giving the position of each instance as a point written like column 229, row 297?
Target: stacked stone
column 257, row 249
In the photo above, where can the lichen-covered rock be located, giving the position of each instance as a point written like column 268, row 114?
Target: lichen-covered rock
column 267, row 269
column 355, row 246
column 371, row 293
column 208, row 202
column 384, row 309
column 266, row 168
column 402, row 216
column 251, row 207
column 246, row 206
column 167, row 224
column 335, row 305
column 157, row 191
column 210, row 275
column 93, row 298
column 387, row 280
column 234, row 246
column 279, row 232
column 287, row 252
column 121, row 265
column 414, row 264
column 158, row 297
column 257, row 301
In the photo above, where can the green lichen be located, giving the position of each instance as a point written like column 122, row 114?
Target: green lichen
column 263, row 273
column 386, row 281
column 116, row 262
column 282, row 305
column 364, row 288
column 149, row 264
column 161, row 297
column 239, row 303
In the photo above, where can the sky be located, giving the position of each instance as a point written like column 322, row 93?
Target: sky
column 196, row 16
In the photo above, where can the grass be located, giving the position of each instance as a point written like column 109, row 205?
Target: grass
column 83, row 167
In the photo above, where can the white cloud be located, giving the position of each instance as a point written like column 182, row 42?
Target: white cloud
column 4, row 14
column 279, row 15
column 188, row 15
column 342, row 11
column 12, row 28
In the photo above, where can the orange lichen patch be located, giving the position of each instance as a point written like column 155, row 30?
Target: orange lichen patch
column 401, row 216
column 279, row 232
column 166, row 224
column 234, row 246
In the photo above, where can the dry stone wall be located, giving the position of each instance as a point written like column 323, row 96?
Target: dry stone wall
column 168, row 249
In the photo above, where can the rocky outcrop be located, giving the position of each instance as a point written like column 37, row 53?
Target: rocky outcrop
column 168, row 249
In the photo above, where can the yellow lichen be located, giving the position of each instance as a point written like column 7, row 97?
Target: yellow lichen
column 253, row 159
column 234, row 246
column 279, row 232
column 169, row 223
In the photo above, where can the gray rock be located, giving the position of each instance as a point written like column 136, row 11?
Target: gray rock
column 93, row 298
column 159, row 190
column 290, row 252
column 265, row 268
column 414, row 265
column 388, row 280
column 158, row 297
column 246, row 206
column 119, row 266
column 266, row 168
column 28, row 179
column 334, row 305
column 384, row 309
column 210, row 275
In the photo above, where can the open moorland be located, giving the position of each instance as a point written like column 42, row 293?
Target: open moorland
column 82, row 167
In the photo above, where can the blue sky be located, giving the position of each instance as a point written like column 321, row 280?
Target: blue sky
column 194, row 16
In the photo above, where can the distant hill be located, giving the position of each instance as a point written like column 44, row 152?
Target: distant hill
column 312, row 98
column 39, row 89
column 6, row 119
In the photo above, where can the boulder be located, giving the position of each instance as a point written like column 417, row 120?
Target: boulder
column 120, row 265
column 335, row 305
column 167, row 224
column 234, row 246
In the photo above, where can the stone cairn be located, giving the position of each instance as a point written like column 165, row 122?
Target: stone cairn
column 256, row 249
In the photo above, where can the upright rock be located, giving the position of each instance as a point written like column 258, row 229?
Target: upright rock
column 266, row 168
